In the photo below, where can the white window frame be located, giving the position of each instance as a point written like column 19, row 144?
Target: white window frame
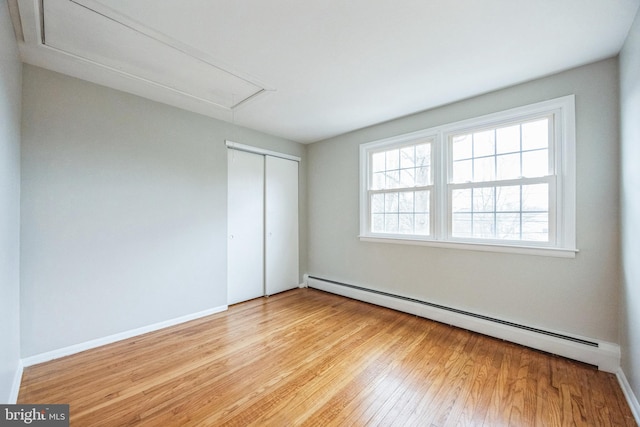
column 562, row 151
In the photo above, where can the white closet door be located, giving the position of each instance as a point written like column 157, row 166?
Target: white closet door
column 245, row 219
column 281, row 240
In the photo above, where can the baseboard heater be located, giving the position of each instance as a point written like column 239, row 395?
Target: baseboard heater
column 604, row 355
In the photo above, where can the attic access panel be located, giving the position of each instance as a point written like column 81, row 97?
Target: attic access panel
column 88, row 30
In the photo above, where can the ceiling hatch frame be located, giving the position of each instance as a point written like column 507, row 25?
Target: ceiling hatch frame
column 249, row 88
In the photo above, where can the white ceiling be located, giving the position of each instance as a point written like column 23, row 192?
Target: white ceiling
column 309, row 70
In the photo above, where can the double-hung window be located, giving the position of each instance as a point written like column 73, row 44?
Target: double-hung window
column 400, row 189
column 503, row 182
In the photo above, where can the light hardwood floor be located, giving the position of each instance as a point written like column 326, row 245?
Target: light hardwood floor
column 305, row 357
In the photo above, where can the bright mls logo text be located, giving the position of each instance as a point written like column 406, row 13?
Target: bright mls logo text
column 27, row 416
column 38, row 415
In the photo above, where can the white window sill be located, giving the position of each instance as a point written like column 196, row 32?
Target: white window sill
column 483, row 247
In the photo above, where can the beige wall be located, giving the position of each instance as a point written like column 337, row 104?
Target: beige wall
column 10, row 101
column 124, row 205
column 630, row 198
column 577, row 296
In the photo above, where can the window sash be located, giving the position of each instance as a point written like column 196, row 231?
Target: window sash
column 371, row 172
column 497, row 155
column 551, row 211
column 429, row 214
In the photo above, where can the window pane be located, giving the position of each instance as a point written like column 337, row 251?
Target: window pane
column 422, row 201
column 461, row 225
column 423, row 155
column 462, row 171
column 377, row 223
column 391, row 223
column 535, row 163
column 484, row 143
column 508, row 226
column 378, row 181
column 393, row 179
column 483, row 225
column 391, row 202
column 407, row 177
column 461, row 147
column 508, row 166
column 423, row 176
column 407, row 157
column 483, row 199
column 535, row 227
column 421, row 224
column 405, row 225
column 484, row 169
column 377, row 162
column 535, row 197
column 535, row 134
column 406, row 201
column 461, row 200
column 508, row 139
column 392, row 160
column 508, row 199
column 377, row 203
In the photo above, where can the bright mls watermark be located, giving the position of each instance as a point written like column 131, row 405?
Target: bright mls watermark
column 34, row 415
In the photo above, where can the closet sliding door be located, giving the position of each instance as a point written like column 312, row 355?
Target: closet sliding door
column 245, row 222
column 262, row 218
column 281, row 224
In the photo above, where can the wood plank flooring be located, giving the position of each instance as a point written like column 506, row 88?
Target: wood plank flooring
column 308, row 358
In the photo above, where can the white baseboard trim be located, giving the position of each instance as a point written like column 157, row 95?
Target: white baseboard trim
column 15, row 387
column 77, row 348
column 605, row 355
column 632, row 400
